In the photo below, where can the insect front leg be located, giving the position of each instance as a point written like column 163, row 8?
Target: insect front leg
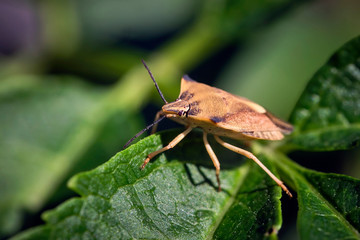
column 172, row 144
column 213, row 158
column 257, row 161
column 157, row 116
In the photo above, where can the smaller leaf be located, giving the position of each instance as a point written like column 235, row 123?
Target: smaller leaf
column 327, row 115
column 329, row 207
column 329, row 204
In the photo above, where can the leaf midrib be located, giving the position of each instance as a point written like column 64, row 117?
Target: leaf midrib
column 229, row 203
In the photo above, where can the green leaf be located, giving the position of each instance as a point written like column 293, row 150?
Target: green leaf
column 327, row 116
column 169, row 199
column 329, row 204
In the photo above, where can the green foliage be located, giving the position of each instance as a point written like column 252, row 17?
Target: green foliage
column 175, row 196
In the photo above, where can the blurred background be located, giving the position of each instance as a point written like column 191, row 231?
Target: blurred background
column 73, row 89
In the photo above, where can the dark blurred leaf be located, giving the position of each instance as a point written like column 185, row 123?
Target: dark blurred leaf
column 139, row 20
column 104, row 65
column 247, row 15
column 327, row 115
column 169, row 199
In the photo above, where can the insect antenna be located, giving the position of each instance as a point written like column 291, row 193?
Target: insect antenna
column 142, row 131
column 156, row 85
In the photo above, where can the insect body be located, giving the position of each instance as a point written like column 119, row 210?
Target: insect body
column 222, row 114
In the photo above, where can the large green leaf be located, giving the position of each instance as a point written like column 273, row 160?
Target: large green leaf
column 327, row 115
column 169, row 199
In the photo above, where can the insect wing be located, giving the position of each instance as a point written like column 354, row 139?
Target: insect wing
column 230, row 112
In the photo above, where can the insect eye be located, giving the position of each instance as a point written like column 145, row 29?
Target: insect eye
column 181, row 112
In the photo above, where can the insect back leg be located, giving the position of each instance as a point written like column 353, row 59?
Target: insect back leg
column 257, row 161
column 213, row 158
column 172, row 144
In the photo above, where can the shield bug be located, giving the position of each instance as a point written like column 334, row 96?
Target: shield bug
column 221, row 114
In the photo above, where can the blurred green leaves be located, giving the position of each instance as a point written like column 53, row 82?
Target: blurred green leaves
column 37, row 119
column 48, row 127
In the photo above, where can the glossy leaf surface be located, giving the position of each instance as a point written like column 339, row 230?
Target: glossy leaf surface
column 327, row 115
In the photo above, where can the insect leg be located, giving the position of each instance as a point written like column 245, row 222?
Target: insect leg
column 257, row 161
column 172, row 144
column 213, row 158
column 157, row 116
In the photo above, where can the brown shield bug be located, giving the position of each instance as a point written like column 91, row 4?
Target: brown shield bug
column 221, row 114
